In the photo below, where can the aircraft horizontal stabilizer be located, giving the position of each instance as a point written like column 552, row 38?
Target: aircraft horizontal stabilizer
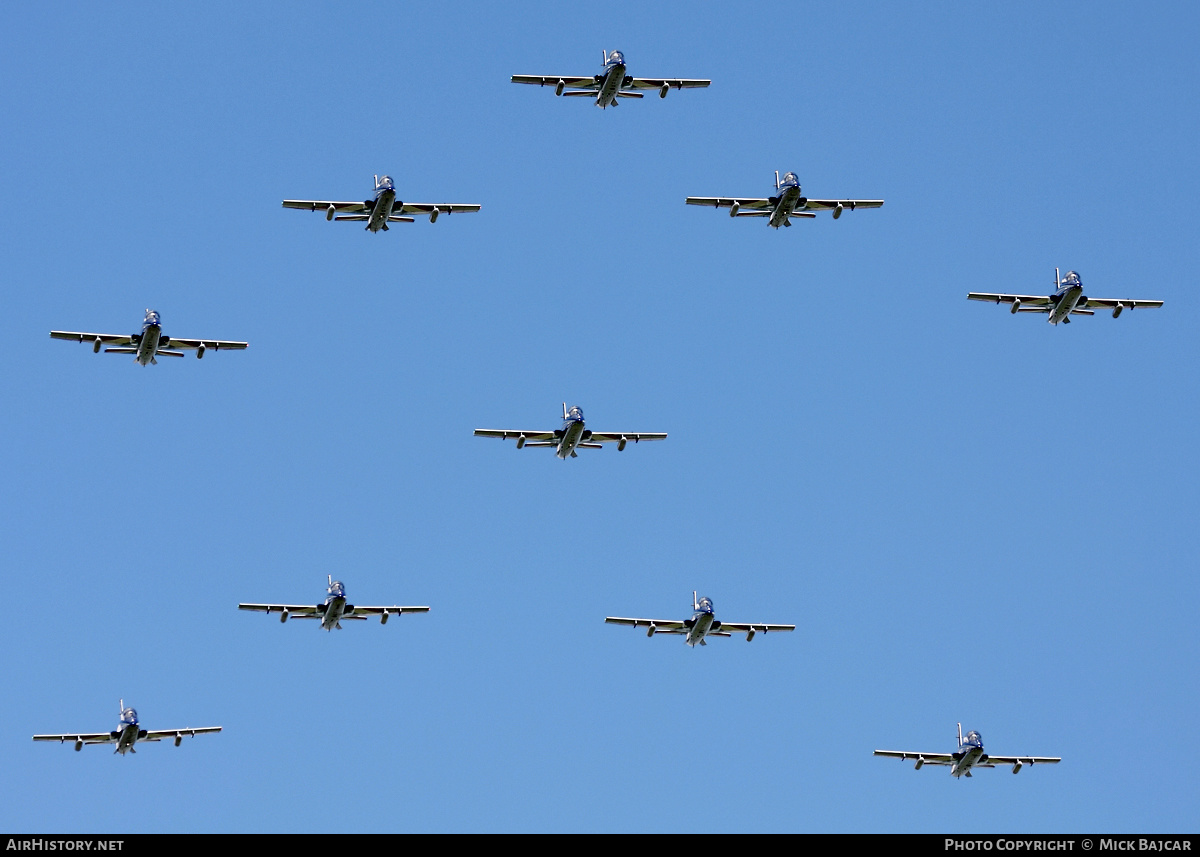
column 353, row 217
column 393, row 218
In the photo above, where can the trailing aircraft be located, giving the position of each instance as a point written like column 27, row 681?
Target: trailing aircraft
column 611, row 84
column 148, row 344
column 333, row 610
column 970, row 754
column 1067, row 300
column 784, row 204
column 127, row 733
column 381, row 210
column 572, row 436
column 702, row 624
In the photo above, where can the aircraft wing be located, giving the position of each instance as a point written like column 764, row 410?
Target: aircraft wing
column 667, row 626
column 214, row 344
column 75, row 336
column 588, row 82
column 1036, row 300
column 1023, row 760
column 504, row 434
column 85, row 737
column 930, row 758
column 757, row 627
column 828, row 204
column 323, row 205
column 673, row 82
column 727, row 201
column 300, row 610
column 1112, row 303
column 617, row 437
column 441, row 207
column 159, row 734
column 378, row 611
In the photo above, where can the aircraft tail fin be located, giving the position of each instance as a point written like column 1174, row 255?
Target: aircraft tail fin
column 604, row 57
column 330, row 577
column 960, row 734
column 695, row 602
column 564, row 410
column 777, row 180
column 1057, row 279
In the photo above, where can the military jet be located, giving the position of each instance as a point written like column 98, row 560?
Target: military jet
column 1067, row 300
column 701, row 625
column 571, row 436
column 381, row 210
column 333, row 610
column 126, row 734
column 784, row 204
column 970, row 755
column 610, row 84
column 148, row 344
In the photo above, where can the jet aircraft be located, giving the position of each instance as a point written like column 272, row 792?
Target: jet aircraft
column 383, row 209
column 701, row 625
column 333, row 610
column 149, row 343
column 1067, row 300
column 127, row 733
column 784, row 204
column 970, row 755
column 572, row 436
column 610, row 84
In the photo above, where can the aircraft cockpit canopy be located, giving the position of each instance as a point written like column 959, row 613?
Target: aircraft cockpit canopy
column 151, row 317
column 616, row 57
column 1072, row 279
column 789, row 179
column 973, row 738
column 575, row 413
column 337, row 588
column 129, row 716
column 705, row 604
column 386, row 183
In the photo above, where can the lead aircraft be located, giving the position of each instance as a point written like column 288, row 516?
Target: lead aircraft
column 784, row 204
column 970, row 755
column 383, row 209
column 572, row 436
column 148, row 344
column 127, row 733
column 611, row 83
column 333, row 610
column 1067, row 300
column 701, row 625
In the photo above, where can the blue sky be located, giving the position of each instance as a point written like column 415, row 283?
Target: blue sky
column 969, row 516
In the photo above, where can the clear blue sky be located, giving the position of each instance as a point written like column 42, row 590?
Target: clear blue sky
column 969, row 516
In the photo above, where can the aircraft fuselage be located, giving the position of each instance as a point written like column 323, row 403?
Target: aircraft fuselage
column 335, row 606
column 611, row 81
column 972, row 754
column 147, row 345
column 702, row 623
column 573, row 432
column 786, row 202
column 1065, row 301
column 385, row 200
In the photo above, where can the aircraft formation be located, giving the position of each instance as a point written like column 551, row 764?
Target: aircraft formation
column 785, row 202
